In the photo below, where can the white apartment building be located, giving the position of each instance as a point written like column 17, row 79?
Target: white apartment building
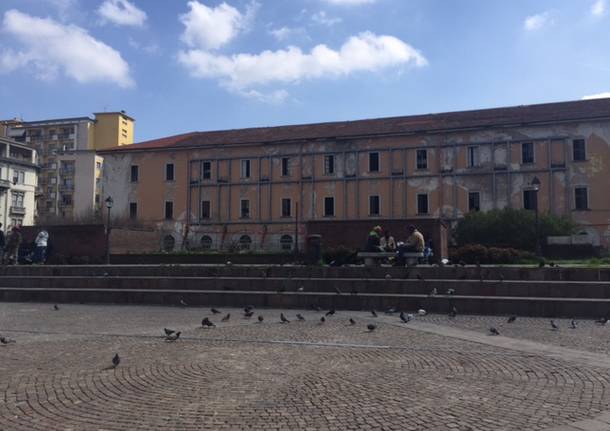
column 18, row 184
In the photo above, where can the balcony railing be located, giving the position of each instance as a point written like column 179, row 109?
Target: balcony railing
column 5, row 184
column 17, row 210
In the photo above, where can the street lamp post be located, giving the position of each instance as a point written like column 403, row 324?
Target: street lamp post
column 536, row 187
column 109, row 203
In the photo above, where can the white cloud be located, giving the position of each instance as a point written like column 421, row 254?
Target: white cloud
column 364, row 52
column 536, row 22
column 598, row 8
column 51, row 48
column 212, row 27
column 597, row 96
column 321, row 18
column 122, row 12
column 276, row 97
column 349, row 2
column 284, row 33
column 150, row 48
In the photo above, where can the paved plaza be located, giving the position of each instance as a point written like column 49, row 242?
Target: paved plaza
column 433, row 373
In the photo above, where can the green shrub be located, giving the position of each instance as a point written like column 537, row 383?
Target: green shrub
column 510, row 228
column 476, row 253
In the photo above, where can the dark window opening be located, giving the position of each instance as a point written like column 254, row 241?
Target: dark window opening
column 286, row 207
column 529, row 200
column 205, row 209
column 474, row 201
column 374, row 205
column 373, row 162
column 169, row 210
column 329, row 165
column 206, row 170
column 422, row 159
column 133, row 210
column 134, row 174
column 329, row 207
column 245, row 208
column 285, row 166
column 169, row 172
column 527, row 152
column 581, row 198
column 422, row 204
column 579, row 150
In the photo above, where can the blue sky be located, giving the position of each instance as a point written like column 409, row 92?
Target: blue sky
column 180, row 66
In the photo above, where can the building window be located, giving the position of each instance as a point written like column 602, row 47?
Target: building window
column 98, row 165
column 579, row 152
column 329, row 207
column 16, row 222
column 373, row 162
column 18, row 177
column 169, row 210
column 286, row 207
column 17, row 199
column 529, row 199
column 245, row 242
column 527, row 152
column 205, row 209
column 285, row 166
column 329, row 164
column 581, row 198
column 374, row 205
column 422, row 159
column 169, row 172
column 473, row 157
column 245, row 169
column 286, row 243
column 206, row 170
column 474, row 201
column 66, row 200
column 422, row 203
column 133, row 210
column 206, row 242
column 135, row 174
column 97, row 199
column 245, row 208
column 168, row 243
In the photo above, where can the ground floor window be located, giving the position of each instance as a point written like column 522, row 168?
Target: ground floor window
column 206, row 242
column 286, row 242
column 245, row 242
column 168, row 243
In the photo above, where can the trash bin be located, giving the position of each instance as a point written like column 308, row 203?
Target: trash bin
column 313, row 253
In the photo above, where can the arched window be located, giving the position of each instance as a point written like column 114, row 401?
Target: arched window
column 168, row 243
column 206, row 242
column 286, row 242
column 245, row 242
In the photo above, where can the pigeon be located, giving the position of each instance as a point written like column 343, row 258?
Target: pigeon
column 337, row 291
column 330, row 312
column 352, row 321
column 602, row 321
column 215, row 311
column 229, row 263
column 116, row 360
column 493, row 331
column 433, row 292
column 453, row 312
column 300, row 317
column 573, row 324
column 422, row 312
column 554, row 325
column 318, row 309
column 371, row 327
column 207, row 323
column 260, row 319
column 168, row 331
column 388, row 276
column 300, row 289
column 173, row 337
column 56, row 307
column 511, row 319
column 322, row 319
column 283, row 318
column 183, row 303
column 226, row 318
column 404, row 317
column 248, row 314
column 450, row 291
column 391, row 310
column 248, row 309
column 373, row 313
column 5, row 340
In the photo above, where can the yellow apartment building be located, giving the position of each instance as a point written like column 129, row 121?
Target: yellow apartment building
column 258, row 188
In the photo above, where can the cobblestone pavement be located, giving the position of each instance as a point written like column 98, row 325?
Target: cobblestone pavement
column 297, row 375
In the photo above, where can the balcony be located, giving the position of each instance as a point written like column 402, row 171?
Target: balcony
column 5, row 184
column 66, row 172
column 17, row 210
column 66, row 187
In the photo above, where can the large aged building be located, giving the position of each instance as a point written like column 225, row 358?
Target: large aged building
column 18, row 179
column 71, row 170
column 254, row 188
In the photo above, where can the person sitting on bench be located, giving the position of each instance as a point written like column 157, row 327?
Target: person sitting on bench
column 373, row 241
column 415, row 244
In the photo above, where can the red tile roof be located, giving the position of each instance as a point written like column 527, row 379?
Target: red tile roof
column 483, row 118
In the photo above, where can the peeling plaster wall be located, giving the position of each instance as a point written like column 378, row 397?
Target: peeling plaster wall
column 499, row 176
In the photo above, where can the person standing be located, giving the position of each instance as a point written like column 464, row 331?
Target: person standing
column 40, row 252
column 12, row 246
column 2, row 244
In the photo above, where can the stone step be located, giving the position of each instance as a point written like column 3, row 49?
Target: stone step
column 263, row 271
column 466, row 304
column 346, row 286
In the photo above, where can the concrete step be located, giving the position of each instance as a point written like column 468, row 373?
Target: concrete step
column 263, row 271
column 466, row 304
column 347, row 286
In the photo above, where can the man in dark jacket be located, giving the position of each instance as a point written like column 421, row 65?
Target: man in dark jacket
column 12, row 246
column 2, row 244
